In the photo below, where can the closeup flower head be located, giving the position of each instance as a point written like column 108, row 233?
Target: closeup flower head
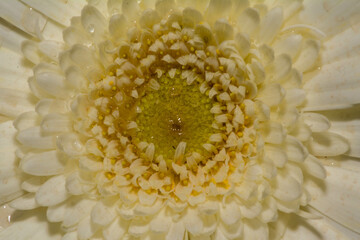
column 180, row 119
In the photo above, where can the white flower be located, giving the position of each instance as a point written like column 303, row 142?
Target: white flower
column 180, row 119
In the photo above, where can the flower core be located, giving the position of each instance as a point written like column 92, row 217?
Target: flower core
column 175, row 113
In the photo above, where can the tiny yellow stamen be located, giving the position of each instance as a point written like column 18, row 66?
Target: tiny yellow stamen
column 111, row 74
column 221, row 68
column 128, row 176
column 242, row 106
column 245, row 148
column 232, row 168
column 100, row 117
column 109, row 175
column 146, row 175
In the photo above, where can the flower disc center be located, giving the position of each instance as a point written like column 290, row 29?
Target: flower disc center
column 175, row 113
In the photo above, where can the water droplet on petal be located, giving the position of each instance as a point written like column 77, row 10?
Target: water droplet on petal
column 91, row 28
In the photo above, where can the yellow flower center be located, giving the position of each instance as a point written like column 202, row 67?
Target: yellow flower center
column 175, row 113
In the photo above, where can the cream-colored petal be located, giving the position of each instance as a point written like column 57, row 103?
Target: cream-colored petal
column 340, row 191
column 14, row 102
column 31, row 225
column 25, row 202
column 328, row 144
column 52, row 192
column 270, row 25
column 14, row 72
column 61, row 12
column 33, row 137
column 44, row 164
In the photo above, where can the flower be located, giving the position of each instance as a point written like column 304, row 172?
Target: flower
column 179, row 120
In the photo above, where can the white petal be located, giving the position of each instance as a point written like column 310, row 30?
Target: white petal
column 33, row 137
column 14, row 102
column 335, row 85
column 342, row 46
column 33, row 184
column 255, row 229
column 10, row 189
column 230, row 213
column 346, row 123
column 149, row 18
column 138, row 227
column 319, row 229
column 56, row 213
column 328, row 144
column 331, row 17
column 13, row 70
column 116, row 229
column 308, row 56
column 316, row 122
column 176, row 232
column 52, row 83
column 271, row 94
column 218, row 9
column 77, row 211
column 286, row 187
column 44, row 164
column 223, row 30
column 86, row 229
column 289, row 45
column 117, row 26
column 25, row 202
column 26, row 120
column 19, row 15
column 54, row 123
column 270, row 25
column 160, row 223
column 295, row 150
column 250, row 21
column 340, row 191
column 60, row 12
column 103, row 212
column 11, row 40
column 130, row 8
column 93, row 22
column 314, row 167
column 193, row 222
column 273, row 132
column 31, row 225
column 52, row 192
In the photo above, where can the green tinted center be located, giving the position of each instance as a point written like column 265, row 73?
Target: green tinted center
column 175, row 113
